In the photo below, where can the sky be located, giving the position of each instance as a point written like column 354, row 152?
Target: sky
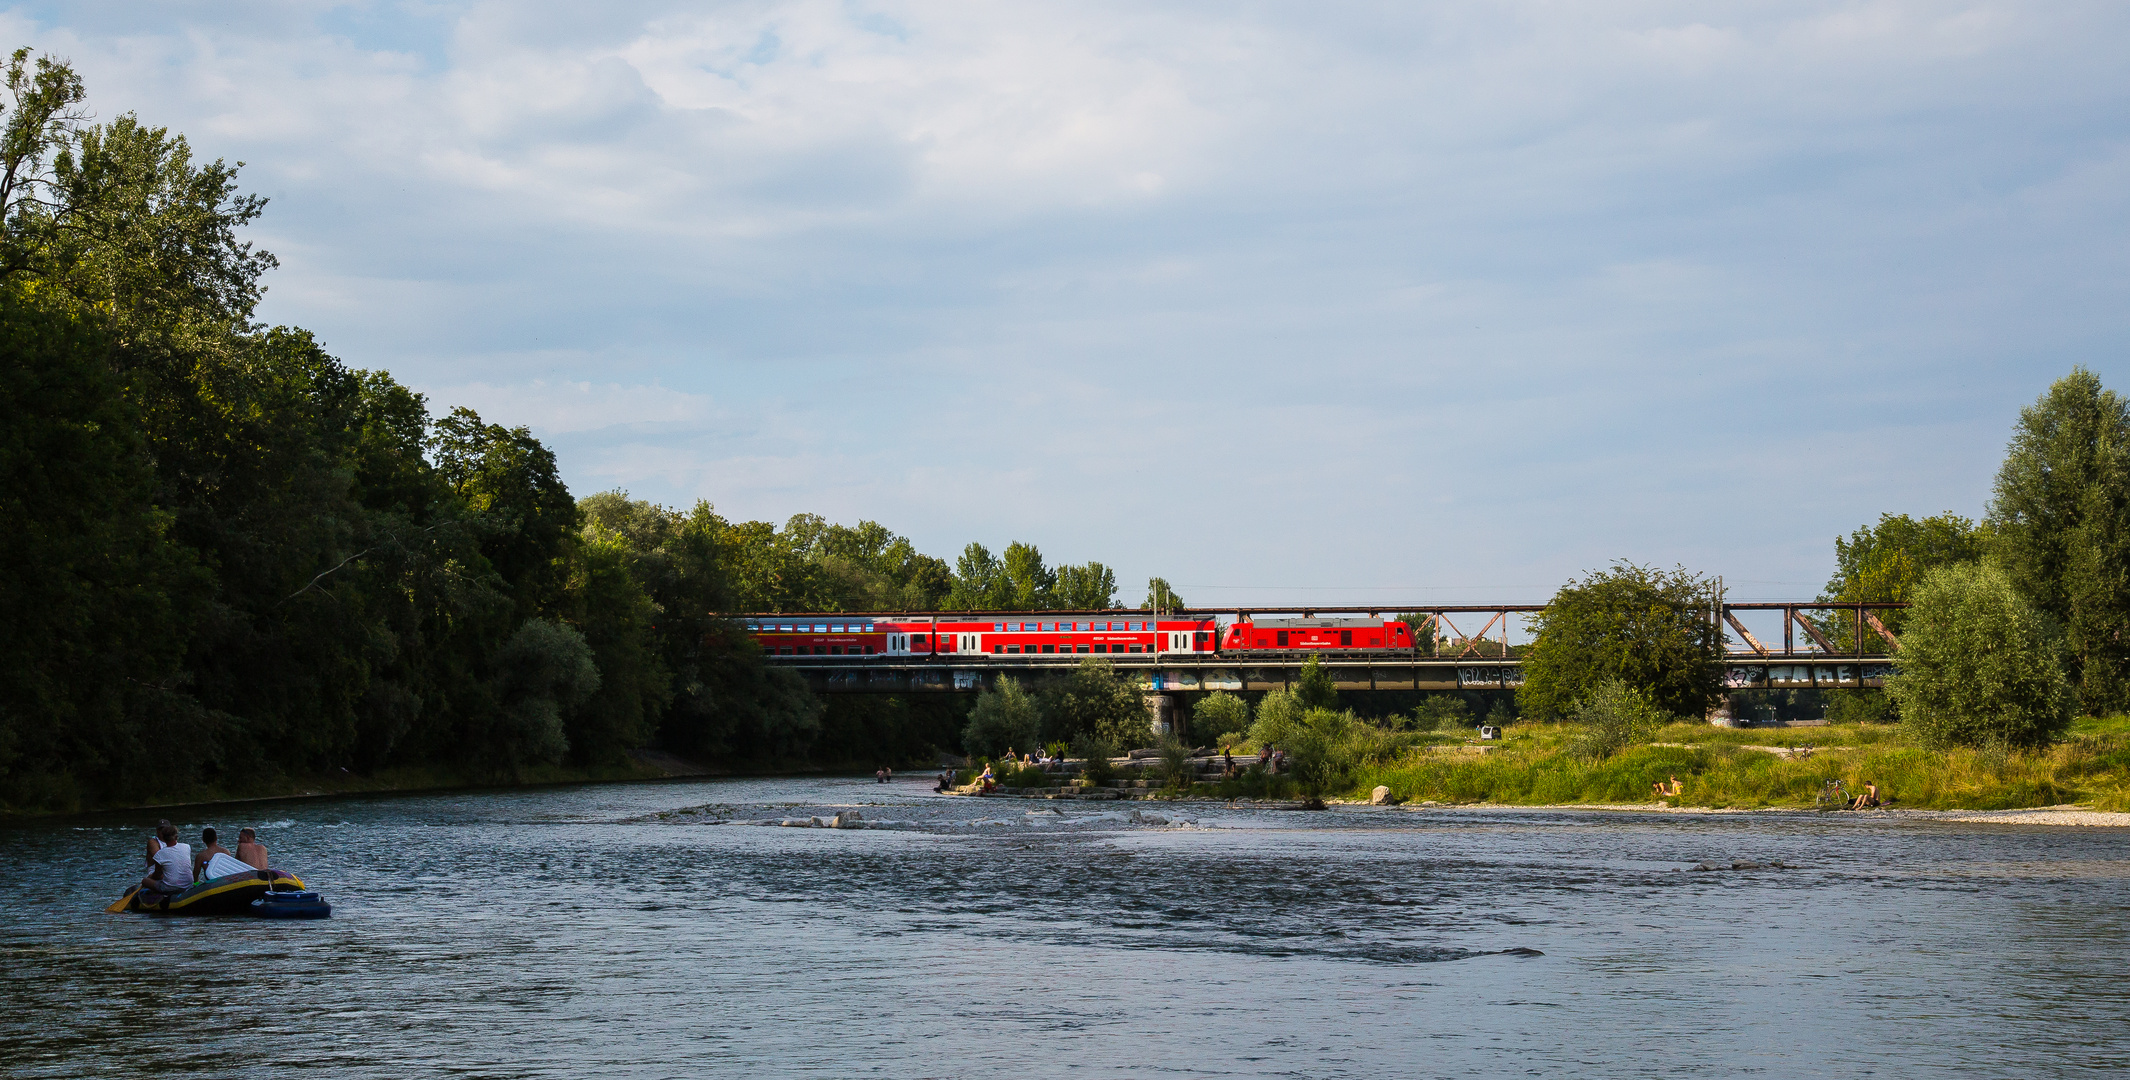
column 1305, row 303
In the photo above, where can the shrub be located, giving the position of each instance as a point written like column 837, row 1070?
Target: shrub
column 1278, row 714
column 1313, row 686
column 1441, row 712
column 1175, row 765
column 1002, row 717
column 1024, row 776
column 1217, row 716
column 1096, row 753
column 1979, row 665
column 1614, row 717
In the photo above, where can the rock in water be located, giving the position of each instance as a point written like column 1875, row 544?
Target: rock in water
column 1380, row 796
column 849, row 819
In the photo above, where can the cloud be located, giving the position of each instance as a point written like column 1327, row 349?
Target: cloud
column 1451, row 293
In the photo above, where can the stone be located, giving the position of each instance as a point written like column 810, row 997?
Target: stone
column 848, row 819
column 1380, row 796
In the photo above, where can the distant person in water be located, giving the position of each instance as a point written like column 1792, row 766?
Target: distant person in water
column 172, row 869
column 250, row 851
column 1869, row 799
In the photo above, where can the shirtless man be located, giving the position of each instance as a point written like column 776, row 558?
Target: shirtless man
column 208, row 850
column 1868, row 799
column 249, row 850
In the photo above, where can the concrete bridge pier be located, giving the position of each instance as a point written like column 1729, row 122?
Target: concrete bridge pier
column 1166, row 719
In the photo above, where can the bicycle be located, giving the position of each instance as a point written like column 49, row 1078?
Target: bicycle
column 1835, row 792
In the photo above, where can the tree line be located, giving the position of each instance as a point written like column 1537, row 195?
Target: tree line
column 237, row 558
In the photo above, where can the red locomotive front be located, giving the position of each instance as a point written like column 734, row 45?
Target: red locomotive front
column 1317, row 636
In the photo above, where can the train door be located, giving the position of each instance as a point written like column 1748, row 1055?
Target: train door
column 898, row 644
column 969, row 643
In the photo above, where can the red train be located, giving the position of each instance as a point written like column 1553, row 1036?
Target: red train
column 1038, row 633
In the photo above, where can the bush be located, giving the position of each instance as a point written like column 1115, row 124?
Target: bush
column 1175, row 765
column 1278, row 716
column 543, row 672
column 1441, row 712
column 1024, row 776
column 1313, row 686
column 1096, row 753
column 1002, row 717
column 1093, row 700
column 1979, row 665
column 1219, row 716
column 1614, row 717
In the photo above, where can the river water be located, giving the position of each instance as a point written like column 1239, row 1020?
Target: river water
column 573, row 932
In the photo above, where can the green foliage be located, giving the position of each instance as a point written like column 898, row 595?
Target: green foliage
column 1095, row 755
column 1094, row 700
column 1174, row 765
column 544, row 672
column 1004, row 716
column 1313, row 688
column 1088, row 587
column 1884, row 563
column 1612, row 718
column 1979, row 664
column 1441, row 712
column 2060, row 528
column 1019, row 581
column 1160, row 597
column 1279, row 714
column 1025, row 776
column 1653, row 630
column 1218, row 717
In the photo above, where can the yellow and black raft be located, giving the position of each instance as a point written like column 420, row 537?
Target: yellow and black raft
column 230, row 894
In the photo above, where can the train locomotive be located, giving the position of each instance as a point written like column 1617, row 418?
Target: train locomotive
column 1041, row 633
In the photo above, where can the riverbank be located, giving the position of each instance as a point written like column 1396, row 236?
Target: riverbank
column 1741, row 769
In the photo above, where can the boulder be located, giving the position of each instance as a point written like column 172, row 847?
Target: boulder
column 1380, row 796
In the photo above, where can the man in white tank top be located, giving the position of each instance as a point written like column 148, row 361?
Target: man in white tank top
column 172, row 872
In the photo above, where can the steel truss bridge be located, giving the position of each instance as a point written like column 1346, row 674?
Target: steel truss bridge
column 1480, row 659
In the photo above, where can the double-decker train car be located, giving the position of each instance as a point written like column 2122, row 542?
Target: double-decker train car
column 1033, row 633
column 1335, row 636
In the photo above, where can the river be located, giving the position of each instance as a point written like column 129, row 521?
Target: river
column 573, row 932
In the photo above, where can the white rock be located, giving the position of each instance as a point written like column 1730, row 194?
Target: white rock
column 1380, row 796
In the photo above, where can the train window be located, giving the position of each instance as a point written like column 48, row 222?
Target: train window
column 998, row 648
column 1136, row 648
column 998, row 627
column 868, row 650
column 1082, row 648
column 1052, row 648
column 1283, row 639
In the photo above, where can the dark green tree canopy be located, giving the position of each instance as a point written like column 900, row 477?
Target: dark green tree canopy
column 2060, row 525
column 1979, row 663
column 1653, row 630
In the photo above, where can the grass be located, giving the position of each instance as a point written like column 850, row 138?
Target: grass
column 1534, row 767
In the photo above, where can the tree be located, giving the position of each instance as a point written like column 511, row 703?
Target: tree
column 1093, row 701
column 1218, row 716
column 1883, row 563
column 1313, row 687
column 1091, row 586
column 1004, row 716
column 1979, row 663
column 1423, row 627
column 510, row 480
column 1028, row 584
column 1613, row 716
column 1442, row 711
column 979, row 581
column 1653, row 630
column 543, row 673
column 2060, row 524
column 1160, row 597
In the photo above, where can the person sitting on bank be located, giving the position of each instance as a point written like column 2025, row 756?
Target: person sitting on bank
column 172, row 872
column 250, row 851
column 1666, row 791
column 1869, row 799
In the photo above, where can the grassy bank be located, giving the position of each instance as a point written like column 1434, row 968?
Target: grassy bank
column 1720, row 768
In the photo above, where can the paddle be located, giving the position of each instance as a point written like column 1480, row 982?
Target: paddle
column 123, row 901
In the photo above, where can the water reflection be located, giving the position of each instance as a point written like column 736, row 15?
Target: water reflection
column 665, row 930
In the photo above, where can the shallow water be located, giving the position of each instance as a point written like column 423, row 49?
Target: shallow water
column 573, row 932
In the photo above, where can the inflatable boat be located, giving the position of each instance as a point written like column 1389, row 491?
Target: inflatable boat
column 230, row 894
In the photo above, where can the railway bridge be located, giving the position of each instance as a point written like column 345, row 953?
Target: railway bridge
column 1470, row 650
